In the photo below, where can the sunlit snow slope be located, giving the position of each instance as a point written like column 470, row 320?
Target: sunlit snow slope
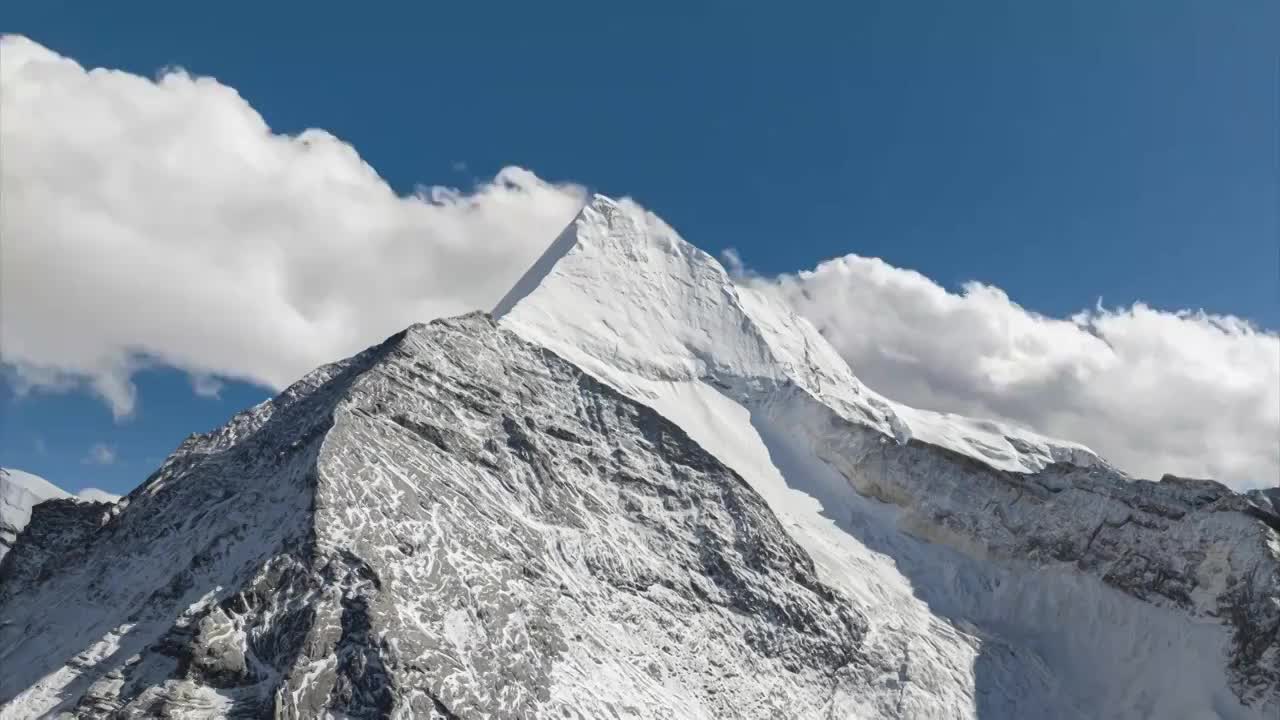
column 1004, row 574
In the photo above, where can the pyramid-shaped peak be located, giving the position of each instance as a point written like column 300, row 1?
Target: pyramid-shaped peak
column 620, row 286
column 622, row 295
column 606, row 236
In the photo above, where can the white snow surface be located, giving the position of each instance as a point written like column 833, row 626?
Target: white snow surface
column 622, row 296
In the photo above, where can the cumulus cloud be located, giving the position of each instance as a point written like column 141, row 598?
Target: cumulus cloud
column 100, row 454
column 1180, row 392
column 160, row 221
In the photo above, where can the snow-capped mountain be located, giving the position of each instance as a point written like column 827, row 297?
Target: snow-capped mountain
column 640, row 491
column 1046, row 531
column 20, row 490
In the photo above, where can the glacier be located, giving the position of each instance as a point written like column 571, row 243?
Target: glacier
column 636, row 489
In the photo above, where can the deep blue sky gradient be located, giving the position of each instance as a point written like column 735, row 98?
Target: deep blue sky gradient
column 1064, row 152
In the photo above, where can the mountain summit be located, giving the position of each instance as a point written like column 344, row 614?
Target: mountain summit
column 620, row 291
column 1029, row 538
column 636, row 490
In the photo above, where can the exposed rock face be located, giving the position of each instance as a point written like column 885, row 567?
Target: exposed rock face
column 456, row 524
column 57, row 529
column 21, row 491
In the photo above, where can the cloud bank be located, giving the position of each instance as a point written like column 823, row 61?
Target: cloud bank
column 1154, row 392
column 161, row 221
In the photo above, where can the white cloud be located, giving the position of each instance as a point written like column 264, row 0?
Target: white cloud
column 206, row 386
column 162, row 222
column 100, row 454
column 1154, row 392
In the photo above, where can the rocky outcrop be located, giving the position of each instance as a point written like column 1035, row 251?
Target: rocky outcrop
column 476, row 529
column 57, row 531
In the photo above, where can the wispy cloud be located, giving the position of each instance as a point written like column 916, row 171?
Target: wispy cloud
column 206, row 386
column 100, row 454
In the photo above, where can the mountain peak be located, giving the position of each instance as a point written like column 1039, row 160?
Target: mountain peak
column 602, row 217
column 619, row 285
column 677, row 501
column 622, row 295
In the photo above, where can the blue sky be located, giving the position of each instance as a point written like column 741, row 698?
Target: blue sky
column 1064, row 152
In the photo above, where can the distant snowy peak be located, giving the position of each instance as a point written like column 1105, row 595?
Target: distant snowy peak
column 621, row 294
column 30, row 483
column 97, row 495
column 20, row 491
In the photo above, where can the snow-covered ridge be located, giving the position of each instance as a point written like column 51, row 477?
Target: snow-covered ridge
column 624, row 297
column 620, row 288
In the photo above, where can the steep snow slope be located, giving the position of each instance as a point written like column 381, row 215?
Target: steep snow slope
column 1078, row 591
column 20, row 490
column 620, row 288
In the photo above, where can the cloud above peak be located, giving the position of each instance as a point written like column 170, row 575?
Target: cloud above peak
column 161, row 221
column 1153, row 391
